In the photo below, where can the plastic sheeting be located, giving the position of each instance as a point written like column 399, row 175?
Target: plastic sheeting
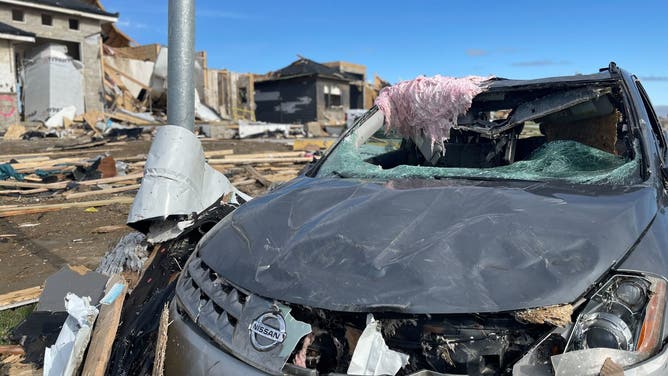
column 568, row 161
column 372, row 356
column 53, row 81
column 177, row 180
column 428, row 106
column 427, row 246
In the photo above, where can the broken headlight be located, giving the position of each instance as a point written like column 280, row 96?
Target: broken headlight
column 625, row 314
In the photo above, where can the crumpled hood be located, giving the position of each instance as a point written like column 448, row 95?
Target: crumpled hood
column 427, row 246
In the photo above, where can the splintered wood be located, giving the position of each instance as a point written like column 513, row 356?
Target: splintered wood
column 558, row 315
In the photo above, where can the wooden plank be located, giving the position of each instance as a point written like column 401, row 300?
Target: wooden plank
column 49, row 163
column 261, row 160
column 104, row 332
column 132, row 79
column 23, row 191
column 20, row 298
column 257, row 176
column 8, row 157
column 128, row 118
column 218, row 153
column 32, row 209
column 161, row 343
column 108, row 229
column 277, row 154
column 12, row 350
column 132, row 187
column 312, row 144
column 63, row 184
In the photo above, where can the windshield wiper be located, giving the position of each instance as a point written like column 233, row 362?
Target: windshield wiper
column 484, row 178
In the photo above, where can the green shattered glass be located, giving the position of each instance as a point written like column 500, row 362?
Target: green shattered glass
column 568, row 161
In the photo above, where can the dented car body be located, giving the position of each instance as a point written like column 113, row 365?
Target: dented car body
column 531, row 241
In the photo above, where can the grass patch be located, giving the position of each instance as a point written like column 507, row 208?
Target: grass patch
column 10, row 318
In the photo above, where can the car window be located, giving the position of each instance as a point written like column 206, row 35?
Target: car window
column 584, row 143
column 653, row 119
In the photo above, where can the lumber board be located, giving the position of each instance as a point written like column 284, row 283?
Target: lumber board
column 129, row 118
column 23, row 191
column 218, row 153
column 8, row 157
column 20, row 298
column 32, row 209
column 260, row 160
column 257, row 176
column 161, row 343
column 104, row 332
column 130, row 78
column 132, row 187
column 12, row 350
column 278, row 154
column 63, row 184
column 312, row 144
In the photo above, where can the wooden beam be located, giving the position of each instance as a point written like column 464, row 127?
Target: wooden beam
column 20, row 298
column 132, row 187
column 311, row 144
column 161, row 343
column 104, row 332
column 32, row 209
column 261, row 160
column 257, row 176
column 132, row 79
column 7, row 157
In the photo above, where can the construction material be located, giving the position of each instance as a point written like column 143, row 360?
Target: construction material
column 104, row 332
column 32, row 209
column 20, row 298
column 65, row 357
column 132, row 187
column 309, row 144
column 14, row 132
column 161, row 345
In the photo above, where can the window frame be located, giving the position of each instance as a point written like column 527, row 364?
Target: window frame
column 78, row 24
column 23, row 15
column 50, row 18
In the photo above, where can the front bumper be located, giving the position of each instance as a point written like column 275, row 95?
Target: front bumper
column 190, row 352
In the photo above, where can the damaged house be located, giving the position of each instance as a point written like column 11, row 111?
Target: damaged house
column 59, row 46
column 307, row 91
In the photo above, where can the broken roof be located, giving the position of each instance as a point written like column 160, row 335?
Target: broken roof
column 73, row 5
column 305, row 67
column 13, row 33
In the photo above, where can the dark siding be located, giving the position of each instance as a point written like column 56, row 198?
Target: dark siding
column 286, row 101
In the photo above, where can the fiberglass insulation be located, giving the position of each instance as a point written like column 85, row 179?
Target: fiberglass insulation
column 428, row 106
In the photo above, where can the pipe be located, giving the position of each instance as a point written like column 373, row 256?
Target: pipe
column 181, row 64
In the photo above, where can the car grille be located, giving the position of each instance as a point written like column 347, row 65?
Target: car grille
column 211, row 302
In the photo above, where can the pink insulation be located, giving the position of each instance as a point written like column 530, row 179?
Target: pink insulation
column 428, row 106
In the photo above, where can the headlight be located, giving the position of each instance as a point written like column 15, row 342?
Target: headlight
column 625, row 314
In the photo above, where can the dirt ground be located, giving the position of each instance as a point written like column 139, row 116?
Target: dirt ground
column 37, row 245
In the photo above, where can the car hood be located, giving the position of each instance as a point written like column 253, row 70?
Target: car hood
column 427, row 246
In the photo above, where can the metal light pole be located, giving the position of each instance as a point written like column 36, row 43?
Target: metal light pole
column 181, row 64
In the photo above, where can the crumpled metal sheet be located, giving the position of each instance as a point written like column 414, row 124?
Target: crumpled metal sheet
column 427, row 246
column 177, row 180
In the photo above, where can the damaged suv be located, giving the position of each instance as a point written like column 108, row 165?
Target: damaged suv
column 462, row 226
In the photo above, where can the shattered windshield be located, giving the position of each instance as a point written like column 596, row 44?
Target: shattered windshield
column 574, row 135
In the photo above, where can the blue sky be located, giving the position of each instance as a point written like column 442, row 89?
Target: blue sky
column 402, row 39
